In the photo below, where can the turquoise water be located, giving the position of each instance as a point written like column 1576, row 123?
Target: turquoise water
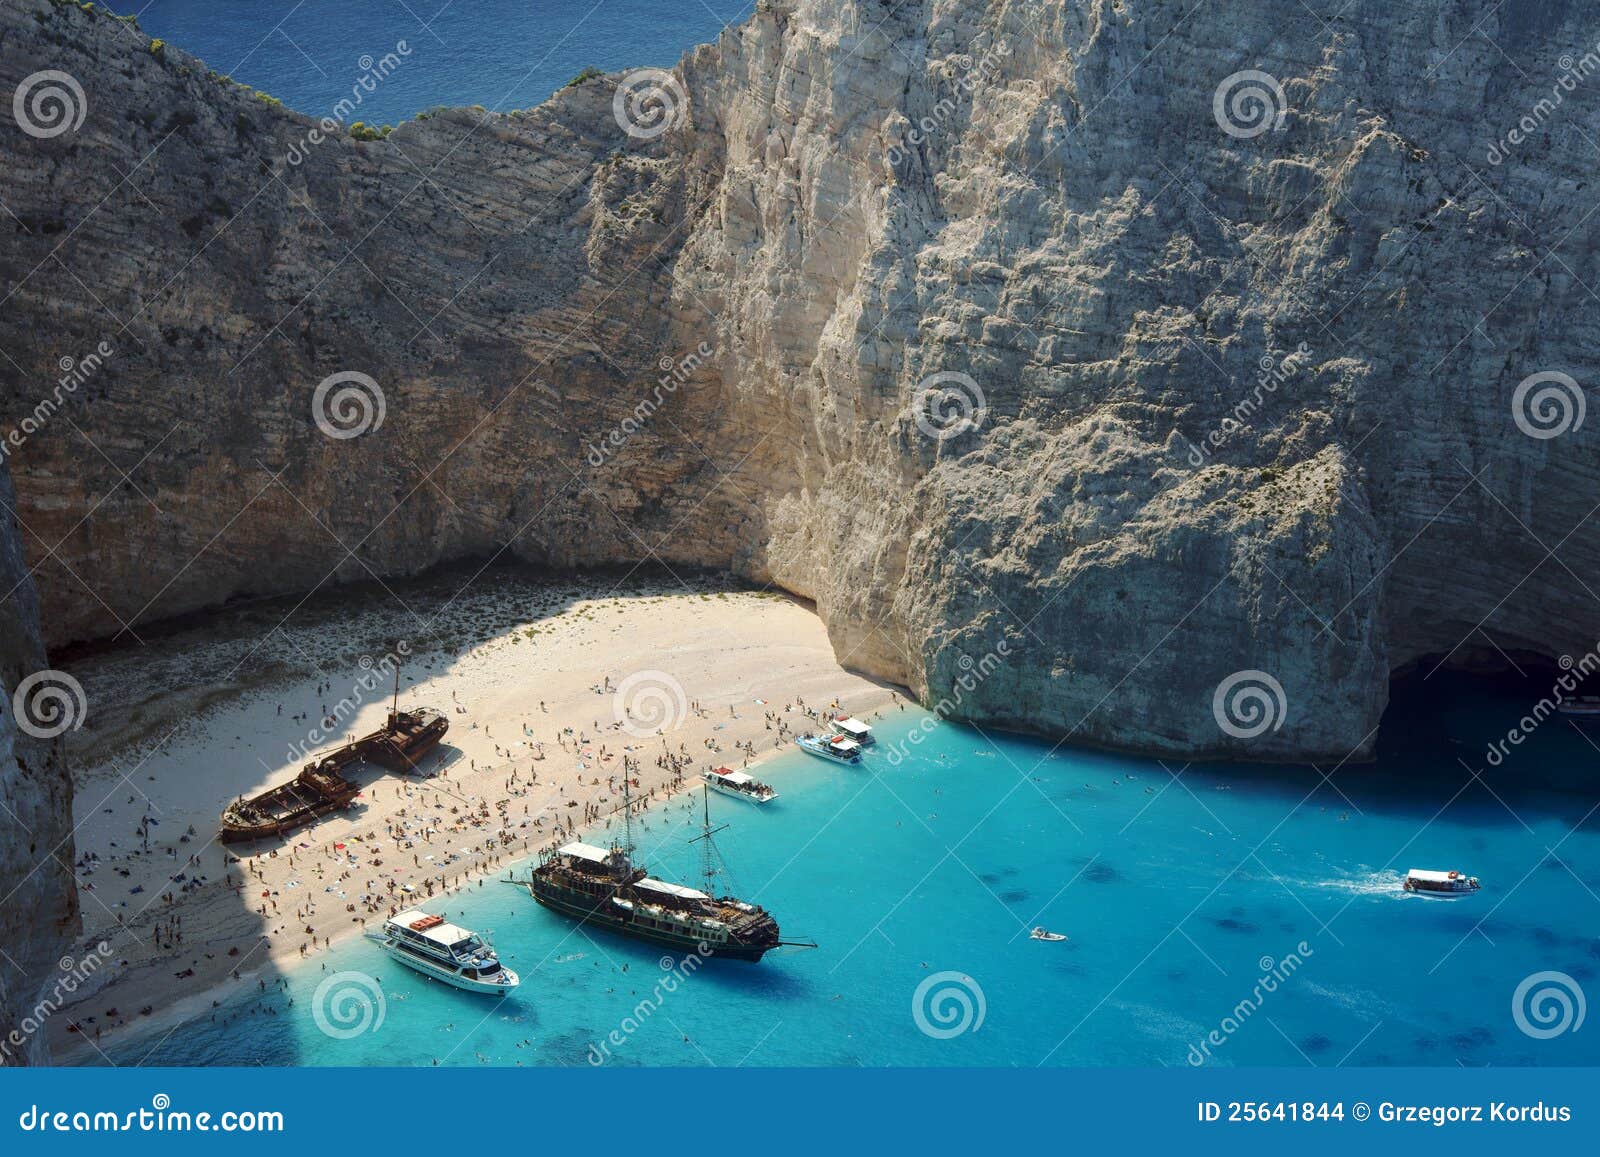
column 1176, row 896
column 502, row 54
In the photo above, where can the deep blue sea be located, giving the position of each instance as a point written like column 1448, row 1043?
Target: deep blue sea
column 502, row 54
column 1184, row 898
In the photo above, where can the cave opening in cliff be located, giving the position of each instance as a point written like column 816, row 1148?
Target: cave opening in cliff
column 1505, row 714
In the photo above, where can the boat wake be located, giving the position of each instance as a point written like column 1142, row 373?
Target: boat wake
column 1366, row 884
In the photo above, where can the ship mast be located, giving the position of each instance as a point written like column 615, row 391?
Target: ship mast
column 627, row 820
column 711, row 865
column 394, row 712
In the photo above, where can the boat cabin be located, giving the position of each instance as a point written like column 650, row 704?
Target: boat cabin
column 1423, row 880
column 432, row 945
column 434, row 935
column 733, row 782
column 849, row 725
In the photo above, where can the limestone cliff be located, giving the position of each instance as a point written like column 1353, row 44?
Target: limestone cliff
column 1238, row 306
column 38, row 903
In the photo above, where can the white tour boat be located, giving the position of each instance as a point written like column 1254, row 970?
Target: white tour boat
column 445, row 952
column 1440, row 885
column 852, row 728
column 739, row 785
column 839, row 748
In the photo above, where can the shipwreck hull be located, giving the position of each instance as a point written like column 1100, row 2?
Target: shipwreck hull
column 397, row 746
column 238, row 833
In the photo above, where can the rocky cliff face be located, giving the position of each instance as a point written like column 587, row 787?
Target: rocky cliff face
column 38, row 904
column 1236, row 309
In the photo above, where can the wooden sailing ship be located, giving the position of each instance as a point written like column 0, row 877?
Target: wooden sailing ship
column 322, row 786
column 603, row 887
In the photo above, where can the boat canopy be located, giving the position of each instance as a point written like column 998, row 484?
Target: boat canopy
column 1433, row 877
column 671, row 889
column 585, row 851
column 738, row 777
column 853, row 725
column 840, row 743
column 439, row 933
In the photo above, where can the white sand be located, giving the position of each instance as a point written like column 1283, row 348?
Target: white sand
column 499, row 648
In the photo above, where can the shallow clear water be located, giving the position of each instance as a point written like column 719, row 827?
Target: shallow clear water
column 1176, row 897
column 502, row 54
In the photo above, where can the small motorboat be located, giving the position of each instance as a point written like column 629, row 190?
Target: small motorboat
column 1440, row 885
column 1043, row 933
column 838, row 748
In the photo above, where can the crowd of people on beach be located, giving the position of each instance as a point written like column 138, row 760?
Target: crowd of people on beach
column 307, row 891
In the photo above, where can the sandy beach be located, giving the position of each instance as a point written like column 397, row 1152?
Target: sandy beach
column 547, row 686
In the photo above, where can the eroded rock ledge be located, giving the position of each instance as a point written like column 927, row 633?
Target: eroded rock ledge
column 1247, row 398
